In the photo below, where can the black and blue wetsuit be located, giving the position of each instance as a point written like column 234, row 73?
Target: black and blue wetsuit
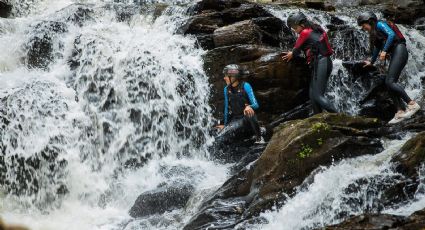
column 235, row 101
column 390, row 40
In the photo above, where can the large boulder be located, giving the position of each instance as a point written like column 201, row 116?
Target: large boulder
column 162, row 199
column 296, row 149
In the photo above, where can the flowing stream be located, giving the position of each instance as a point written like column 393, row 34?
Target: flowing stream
column 101, row 101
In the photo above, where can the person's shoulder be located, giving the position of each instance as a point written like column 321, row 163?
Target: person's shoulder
column 247, row 85
column 306, row 31
column 381, row 24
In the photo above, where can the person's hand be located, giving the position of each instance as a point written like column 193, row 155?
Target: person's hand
column 383, row 56
column 248, row 111
column 367, row 63
column 219, row 127
column 287, row 56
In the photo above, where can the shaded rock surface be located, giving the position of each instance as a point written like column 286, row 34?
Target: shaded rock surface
column 5, row 9
column 295, row 150
column 161, row 200
column 383, row 221
column 4, row 226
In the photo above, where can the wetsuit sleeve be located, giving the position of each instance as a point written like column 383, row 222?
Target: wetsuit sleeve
column 375, row 54
column 304, row 35
column 248, row 89
column 226, row 107
column 389, row 32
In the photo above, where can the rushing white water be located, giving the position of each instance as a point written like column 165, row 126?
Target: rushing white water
column 112, row 103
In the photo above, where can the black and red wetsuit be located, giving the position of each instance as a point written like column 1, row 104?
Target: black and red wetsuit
column 315, row 44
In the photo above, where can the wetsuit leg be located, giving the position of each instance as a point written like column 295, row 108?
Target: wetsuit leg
column 314, row 104
column 397, row 64
column 320, row 82
column 252, row 122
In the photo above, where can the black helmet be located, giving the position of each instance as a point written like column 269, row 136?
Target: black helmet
column 232, row 70
column 366, row 17
column 296, row 19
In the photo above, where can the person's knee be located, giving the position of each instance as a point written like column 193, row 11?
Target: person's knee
column 389, row 83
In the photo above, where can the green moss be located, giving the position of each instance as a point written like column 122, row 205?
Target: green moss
column 305, row 151
column 319, row 127
column 320, row 141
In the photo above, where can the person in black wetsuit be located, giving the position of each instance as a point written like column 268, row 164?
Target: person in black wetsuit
column 314, row 41
column 386, row 38
column 239, row 104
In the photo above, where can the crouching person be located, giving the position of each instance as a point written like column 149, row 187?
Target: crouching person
column 239, row 120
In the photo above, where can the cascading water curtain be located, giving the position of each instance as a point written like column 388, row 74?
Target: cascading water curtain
column 99, row 103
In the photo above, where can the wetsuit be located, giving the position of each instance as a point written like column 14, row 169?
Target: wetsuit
column 315, row 44
column 235, row 101
column 390, row 40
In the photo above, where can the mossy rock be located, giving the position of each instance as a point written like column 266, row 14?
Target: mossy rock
column 411, row 156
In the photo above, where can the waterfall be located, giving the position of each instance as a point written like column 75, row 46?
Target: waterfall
column 99, row 104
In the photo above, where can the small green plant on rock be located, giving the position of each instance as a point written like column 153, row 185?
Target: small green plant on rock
column 320, row 141
column 320, row 126
column 305, row 152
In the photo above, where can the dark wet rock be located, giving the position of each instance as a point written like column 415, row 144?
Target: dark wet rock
column 78, row 14
column 382, row 221
column 38, row 170
column 43, row 47
column 123, row 12
column 371, row 221
column 245, row 32
column 296, row 149
column 405, row 11
column 5, row 8
column 162, row 199
column 376, row 101
column 411, row 157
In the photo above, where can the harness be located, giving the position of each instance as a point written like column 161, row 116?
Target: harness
column 238, row 99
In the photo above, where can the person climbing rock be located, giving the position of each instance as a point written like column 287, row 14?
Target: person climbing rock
column 239, row 103
column 314, row 41
column 387, row 40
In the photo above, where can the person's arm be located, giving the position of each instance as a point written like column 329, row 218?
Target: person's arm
column 304, row 35
column 252, row 100
column 384, row 27
column 226, row 107
column 375, row 54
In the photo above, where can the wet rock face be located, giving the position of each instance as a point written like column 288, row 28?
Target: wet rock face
column 42, row 46
column 383, row 221
column 5, row 8
column 161, row 200
column 296, row 149
column 405, row 11
column 28, row 167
